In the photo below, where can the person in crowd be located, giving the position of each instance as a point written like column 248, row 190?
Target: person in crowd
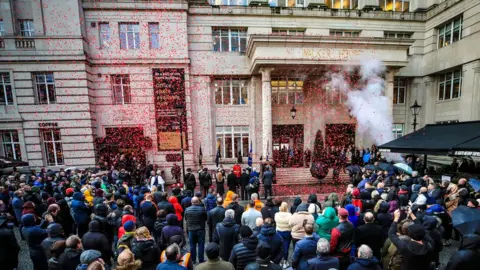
column 172, row 254
column 267, row 182
column 96, row 239
column 297, row 222
column 282, row 218
column 258, row 226
column 365, row 261
column 172, row 228
column 34, row 235
column 17, row 204
column 269, row 235
column 177, row 207
column 184, row 257
column 391, row 258
column 187, row 200
column 145, row 249
column 323, row 259
column 352, row 215
column 370, row 234
column 148, row 212
column 70, row 258
column 164, row 204
column 435, row 233
column 196, row 216
column 332, row 200
column 244, row 252
column 468, row 255
column 326, row 222
column 127, row 261
column 384, row 218
column 244, row 181
column 107, row 221
column 342, row 238
column 214, row 262
column 257, row 203
column 127, row 215
column 264, row 251
column 160, row 223
column 56, row 250
column 237, row 208
column 9, row 248
column 305, row 248
column 80, row 213
column 215, row 216
column 88, row 258
column 250, row 216
column 205, row 180
column 226, row 234
column 210, row 201
column 269, row 210
column 55, row 234
column 232, row 182
column 296, row 202
column 126, row 240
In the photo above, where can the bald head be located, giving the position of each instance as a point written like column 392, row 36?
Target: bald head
column 462, row 181
column 195, row 201
column 423, row 190
column 259, row 222
column 369, row 218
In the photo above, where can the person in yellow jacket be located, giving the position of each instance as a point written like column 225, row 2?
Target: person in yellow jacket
column 258, row 204
column 88, row 196
column 228, row 198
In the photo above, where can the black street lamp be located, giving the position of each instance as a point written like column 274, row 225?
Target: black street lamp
column 180, row 111
column 293, row 112
column 415, row 108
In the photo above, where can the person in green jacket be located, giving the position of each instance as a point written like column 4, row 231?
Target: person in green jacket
column 326, row 222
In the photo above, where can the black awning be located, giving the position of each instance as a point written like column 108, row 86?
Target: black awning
column 438, row 139
column 8, row 162
column 468, row 148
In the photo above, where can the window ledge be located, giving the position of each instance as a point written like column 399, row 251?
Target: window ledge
column 448, row 100
column 232, row 106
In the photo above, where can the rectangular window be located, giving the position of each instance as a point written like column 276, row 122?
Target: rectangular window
column 395, row 5
column 6, row 94
column 231, row 92
column 45, row 88
column 287, row 91
column 129, row 36
column 104, row 28
column 288, row 32
column 344, row 33
column 333, row 96
column 397, row 35
column 52, row 144
column 397, row 130
column 154, row 33
column 2, row 28
column 399, row 90
column 11, row 144
column 450, row 85
column 229, row 40
column 342, row 4
column 121, row 89
column 26, row 28
column 450, row 32
column 233, row 140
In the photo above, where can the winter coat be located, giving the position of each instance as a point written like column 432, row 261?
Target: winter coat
column 384, row 218
column 332, row 200
column 210, row 202
column 172, row 228
column 178, row 208
column 125, row 218
column 296, row 202
column 226, row 235
column 281, row 220
column 322, row 262
column 312, row 198
column 148, row 213
column 352, row 215
column 69, row 259
column 258, row 206
column 125, row 242
column 165, row 205
column 34, row 235
column 249, row 218
column 468, row 255
column 269, row 210
column 260, row 264
column 215, row 264
column 55, row 234
column 228, row 198
column 88, row 197
column 147, row 251
column 9, row 249
column 244, row 253
column 79, row 209
column 326, row 222
column 304, row 250
column 160, row 223
column 296, row 221
column 365, row 264
column 107, row 225
column 195, row 216
column 215, row 216
column 267, row 178
column 95, row 239
column 371, row 235
column 269, row 235
column 238, row 211
column 17, row 204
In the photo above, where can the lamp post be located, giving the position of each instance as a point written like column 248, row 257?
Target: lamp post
column 180, row 111
column 293, row 112
column 415, row 108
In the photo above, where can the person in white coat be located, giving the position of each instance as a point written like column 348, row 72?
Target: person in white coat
column 157, row 180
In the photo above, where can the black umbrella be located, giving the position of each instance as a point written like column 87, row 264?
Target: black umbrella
column 353, row 168
column 466, row 220
column 8, row 162
column 370, row 167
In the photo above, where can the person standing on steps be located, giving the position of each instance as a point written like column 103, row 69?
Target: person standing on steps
column 267, row 182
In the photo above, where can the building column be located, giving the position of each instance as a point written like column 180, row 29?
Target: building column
column 266, row 112
column 390, row 76
column 470, row 97
column 428, row 110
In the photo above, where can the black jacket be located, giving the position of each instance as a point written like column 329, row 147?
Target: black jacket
column 165, row 205
column 215, row 216
column 269, row 210
column 149, row 214
column 415, row 256
column 468, row 255
column 107, row 226
column 244, row 253
column 244, row 179
column 146, row 251
column 95, row 239
column 232, row 181
column 70, row 259
column 371, row 235
column 384, row 218
column 9, row 249
column 205, row 179
column 195, row 216
column 226, row 235
column 269, row 235
column 260, row 264
column 190, row 181
column 160, row 223
column 238, row 211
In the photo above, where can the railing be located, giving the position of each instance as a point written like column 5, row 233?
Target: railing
column 2, row 44
column 25, row 43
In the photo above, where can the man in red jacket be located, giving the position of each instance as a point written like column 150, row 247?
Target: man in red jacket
column 342, row 238
column 237, row 170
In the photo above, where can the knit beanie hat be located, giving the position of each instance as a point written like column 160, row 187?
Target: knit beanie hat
column 245, row 232
column 89, row 256
column 416, row 232
column 356, row 192
column 129, row 226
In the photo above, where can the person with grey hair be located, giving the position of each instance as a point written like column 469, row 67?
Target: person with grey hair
column 173, row 254
column 365, row 260
column 323, row 259
column 226, row 234
column 370, row 234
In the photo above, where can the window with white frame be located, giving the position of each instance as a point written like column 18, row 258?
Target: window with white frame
column 397, row 35
column 104, row 28
column 231, row 92
column 333, row 96
column 26, row 28
column 229, row 40
column 450, row 85
column 121, row 89
column 6, row 94
column 342, row 4
column 154, row 34
column 450, row 32
column 11, row 144
column 233, row 140
column 2, row 28
column 287, row 91
column 52, row 146
column 399, row 90
column 397, row 130
column 228, row 2
column 344, row 33
column 288, row 32
column 45, row 88
column 129, row 36
column 395, row 5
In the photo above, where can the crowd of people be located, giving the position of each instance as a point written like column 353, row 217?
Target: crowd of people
column 82, row 219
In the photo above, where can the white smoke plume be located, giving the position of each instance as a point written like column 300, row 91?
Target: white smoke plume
column 368, row 105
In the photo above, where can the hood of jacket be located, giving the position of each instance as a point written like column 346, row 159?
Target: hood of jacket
column 78, row 196
column 368, row 263
column 312, row 198
column 330, row 213
column 210, row 196
column 269, row 203
column 333, row 197
column 297, row 201
column 229, row 196
column 268, row 230
column 250, row 242
column 144, row 245
column 101, row 210
column 229, row 222
column 126, row 218
column 471, row 241
column 173, row 200
column 28, row 220
column 303, row 207
column 384, row 206
column 94, row 226
column 351, row 210
column 172, row 220
column 429, row 222
column 55, row 230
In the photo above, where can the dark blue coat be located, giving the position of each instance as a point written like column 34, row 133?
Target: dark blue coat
column 323, row 262
column 226, row 235
column 173, row 228
column 244, row 253
column 210, row 202
column 305, row 250
column 34, row 236
column 195, row 216
column 79, row 209
column 365, row 264
column 269, row 235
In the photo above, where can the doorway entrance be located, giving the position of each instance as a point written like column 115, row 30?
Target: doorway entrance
column 339, row 136
column 288, row 145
